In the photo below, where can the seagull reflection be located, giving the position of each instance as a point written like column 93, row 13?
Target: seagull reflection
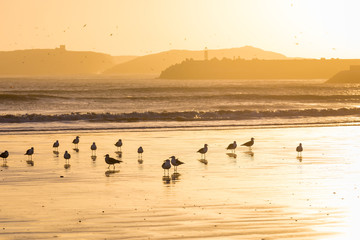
column 93, row 158
column 166, row 179
column 175, row 176
column 67, row 165
column 30, row 162
column 299, row 158
column 119, row 154
column 204, row 161
column 232, row 155
column 108, row 173
column 4, row 165
column 250, row 153
column 56, row 153
column 140, row 161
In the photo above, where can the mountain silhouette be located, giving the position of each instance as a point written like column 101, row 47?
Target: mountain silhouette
column 155, row 63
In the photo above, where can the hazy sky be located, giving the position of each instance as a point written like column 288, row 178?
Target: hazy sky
column 296, row 28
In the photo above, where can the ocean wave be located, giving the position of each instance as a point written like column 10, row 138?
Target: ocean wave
column 179, row 116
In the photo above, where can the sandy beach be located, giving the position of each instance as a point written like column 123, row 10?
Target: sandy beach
column 263, row 193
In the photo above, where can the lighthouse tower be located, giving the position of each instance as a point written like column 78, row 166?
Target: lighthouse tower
column 206, row 56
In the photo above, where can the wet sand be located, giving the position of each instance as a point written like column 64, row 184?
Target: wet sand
column 263, row 193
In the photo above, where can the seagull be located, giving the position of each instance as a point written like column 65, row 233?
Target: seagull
column 4, row 155
column 30, row 152
column 76, row 142
column 166, row 165
column 249, row 143
column 56, row 145
column 140, row 152
column 232, row 146
column 67, row 156
column 175, row 162
column 118, row 144
column 93, row 149
column 111, row 161
column 203, row 150
column 299, row 149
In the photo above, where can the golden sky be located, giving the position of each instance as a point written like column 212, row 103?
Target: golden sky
column 296, row 28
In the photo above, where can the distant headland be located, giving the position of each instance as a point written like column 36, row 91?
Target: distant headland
column 348, row 76
column 257, row 69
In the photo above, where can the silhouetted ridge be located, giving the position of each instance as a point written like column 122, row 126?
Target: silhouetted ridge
column 257, row 69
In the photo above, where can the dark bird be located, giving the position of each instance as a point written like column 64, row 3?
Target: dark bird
column 166, row 165
column 299, row 149
column 4, row 155
column 56, row 145
column 118, row 144
column 76, row 142
column 140, row 152
column 67, row 156
column 249, row 143
column 93, row 149
column 203, row 150
column 232, row 146
column 175, row 162
column 30, row 152
column 111, row 161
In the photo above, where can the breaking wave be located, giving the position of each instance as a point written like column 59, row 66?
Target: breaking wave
column 179, row 116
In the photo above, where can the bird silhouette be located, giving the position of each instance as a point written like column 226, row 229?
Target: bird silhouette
column 30, row 152
column 56, row 145
column 4, row 155
column 249, row 143
column 166, row 165
column 111, row 161
column 76, row 142
column 140, row 152
column 118, row 144
column 203, row 150
column 175, row 162
column 299, row 149
column 232, row 146
column 93, row 149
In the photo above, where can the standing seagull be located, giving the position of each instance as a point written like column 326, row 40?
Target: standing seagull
column 249, row 143
column 166, row 165
column 30, row 152
column 93, row 149
column 56, row 145
column 76, row 142
column 299, row 150
column 203, row 150
column 232, row 147
column 118, row 144
column 140, row 152
column 111, row 161
column 67, row 156
column 4, row 155
column 175, row 162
